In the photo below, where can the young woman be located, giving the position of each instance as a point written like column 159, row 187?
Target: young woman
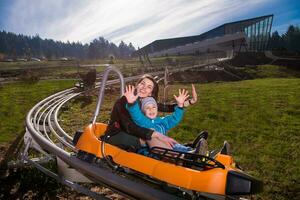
column 124, row 133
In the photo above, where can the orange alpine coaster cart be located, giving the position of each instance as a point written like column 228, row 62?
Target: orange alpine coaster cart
column 196, row 175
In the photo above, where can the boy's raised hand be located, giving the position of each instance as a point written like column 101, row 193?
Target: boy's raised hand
column 182, row 97
column 129, row 94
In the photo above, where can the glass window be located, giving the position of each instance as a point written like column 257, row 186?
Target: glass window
column 258, row 35
column 247, row 31
column 263, row 35
column 250, row 36
column 270, row 19
column 256, row 29
column 266, row 32
column 255, row 36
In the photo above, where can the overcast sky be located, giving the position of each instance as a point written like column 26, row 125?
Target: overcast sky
column 136, row 21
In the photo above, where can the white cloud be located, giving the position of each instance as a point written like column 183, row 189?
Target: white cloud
column 136, row 21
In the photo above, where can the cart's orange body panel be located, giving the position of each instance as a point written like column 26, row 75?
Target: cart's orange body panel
column 210, row 181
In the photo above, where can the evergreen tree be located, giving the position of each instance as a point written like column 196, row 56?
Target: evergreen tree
column 289, row 41
column 292, row 39
column 276, row 41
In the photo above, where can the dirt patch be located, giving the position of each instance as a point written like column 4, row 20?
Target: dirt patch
column 3, row 149
column 29, row 183
column 249, row 58
column 215, row 74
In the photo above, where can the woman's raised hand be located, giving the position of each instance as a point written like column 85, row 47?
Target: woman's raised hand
column 182, row 97
column 194, row 95
column 129, row 94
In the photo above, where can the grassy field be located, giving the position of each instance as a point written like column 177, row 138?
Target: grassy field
column 267, row 71
column 17, row 98
column 73, row 68
column 55, row 63
column 259, row 118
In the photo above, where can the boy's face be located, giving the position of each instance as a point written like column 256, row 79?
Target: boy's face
column 150, row 111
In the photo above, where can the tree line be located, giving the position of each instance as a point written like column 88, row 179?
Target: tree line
column 21, row 46
column 289, row 41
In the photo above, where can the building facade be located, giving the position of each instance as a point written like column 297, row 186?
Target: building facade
column 256, row 30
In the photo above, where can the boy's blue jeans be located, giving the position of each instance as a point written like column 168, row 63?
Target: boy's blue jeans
column 177, row 147
column 182, row 148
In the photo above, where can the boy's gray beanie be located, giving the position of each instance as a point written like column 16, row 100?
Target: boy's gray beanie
column 148, row 100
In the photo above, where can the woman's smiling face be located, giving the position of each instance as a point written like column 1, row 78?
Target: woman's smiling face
column 145, row 88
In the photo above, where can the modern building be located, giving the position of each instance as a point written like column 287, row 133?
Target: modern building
column 245, row 35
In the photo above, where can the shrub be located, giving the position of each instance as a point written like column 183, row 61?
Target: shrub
column 29, row 77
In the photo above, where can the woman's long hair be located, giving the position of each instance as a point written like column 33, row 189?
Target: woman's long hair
column 154, row 93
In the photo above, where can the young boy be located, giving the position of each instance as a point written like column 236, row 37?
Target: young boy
column 146, row 116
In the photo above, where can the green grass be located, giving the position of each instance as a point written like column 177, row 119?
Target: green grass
column 16, row 99
column 270, row 71
column 79, row 112
column 261, row 120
